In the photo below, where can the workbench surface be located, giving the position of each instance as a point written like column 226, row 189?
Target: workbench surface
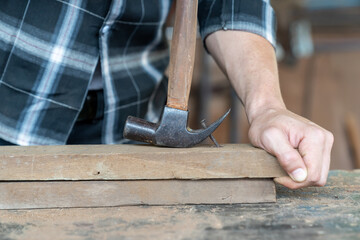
column 331, row 212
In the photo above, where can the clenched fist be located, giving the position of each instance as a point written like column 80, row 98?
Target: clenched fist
column 301, row 147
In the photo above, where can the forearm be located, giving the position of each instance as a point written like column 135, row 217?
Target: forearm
column 249, row 62
column 301, row 147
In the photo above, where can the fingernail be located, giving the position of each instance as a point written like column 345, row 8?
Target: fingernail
column 298, row 175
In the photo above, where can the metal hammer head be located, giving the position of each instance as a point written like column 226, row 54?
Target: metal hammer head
column 171, row 131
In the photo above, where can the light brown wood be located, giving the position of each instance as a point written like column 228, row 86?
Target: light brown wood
column 127, row 162
column 28, row 195
column 225, row 169
column 182, row 55
column 329, row 212
column 353, row 134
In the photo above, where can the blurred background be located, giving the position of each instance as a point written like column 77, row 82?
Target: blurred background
column 318, row 52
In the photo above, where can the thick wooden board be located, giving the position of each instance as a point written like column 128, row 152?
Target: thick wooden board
column 330, row 212
column 66, row 194
column 128, row 162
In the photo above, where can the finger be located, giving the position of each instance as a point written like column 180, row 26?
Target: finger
column 327, row 159
column 318, row 168
column 312, row 149
column 276, row 142
column 289, row 183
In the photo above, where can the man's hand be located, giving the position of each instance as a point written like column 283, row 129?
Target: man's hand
column 301, row 147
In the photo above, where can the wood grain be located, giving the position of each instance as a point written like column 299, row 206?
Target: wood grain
column 330, row 212
column 64, row 194
column 129, row 162
column 182, row 55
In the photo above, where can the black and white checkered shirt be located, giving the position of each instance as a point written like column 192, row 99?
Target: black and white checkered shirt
column 49, row 50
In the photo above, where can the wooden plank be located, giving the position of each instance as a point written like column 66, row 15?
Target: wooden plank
column 129, row 162
column 330, row 212
column 65, row 194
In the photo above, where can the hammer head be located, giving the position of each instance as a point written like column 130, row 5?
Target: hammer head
column 171, row 131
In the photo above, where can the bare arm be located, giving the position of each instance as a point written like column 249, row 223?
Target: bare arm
column 301, row 147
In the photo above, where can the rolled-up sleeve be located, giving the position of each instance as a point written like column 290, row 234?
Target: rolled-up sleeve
column 255, row 16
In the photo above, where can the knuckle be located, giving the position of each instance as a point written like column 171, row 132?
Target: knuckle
column 315, row 179
column 269, row 133
column 319, row 134
column 287, row 159
column 311, row 165
column 330, row 137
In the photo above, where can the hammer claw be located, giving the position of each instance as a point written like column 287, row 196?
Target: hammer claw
column 171, row 131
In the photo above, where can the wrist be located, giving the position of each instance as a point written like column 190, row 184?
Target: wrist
column 254, row 109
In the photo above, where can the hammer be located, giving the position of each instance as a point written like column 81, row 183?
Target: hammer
column 172, row 130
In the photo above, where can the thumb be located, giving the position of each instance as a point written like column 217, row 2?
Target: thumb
column 276, row 142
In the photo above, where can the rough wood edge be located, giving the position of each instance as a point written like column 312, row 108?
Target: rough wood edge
column 135, row 162
column 65, row 194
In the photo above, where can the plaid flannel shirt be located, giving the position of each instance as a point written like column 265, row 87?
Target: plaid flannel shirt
column 49, row 50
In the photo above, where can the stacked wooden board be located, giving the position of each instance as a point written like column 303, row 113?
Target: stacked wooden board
column 117, row 175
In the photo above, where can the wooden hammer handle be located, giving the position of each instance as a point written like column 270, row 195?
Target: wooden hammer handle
column 182, row 54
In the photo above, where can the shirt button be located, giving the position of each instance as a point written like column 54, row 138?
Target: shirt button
column 223, row 25
column 105, row 29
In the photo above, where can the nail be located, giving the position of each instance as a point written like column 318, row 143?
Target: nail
column 203, row 124
column 299, row 175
